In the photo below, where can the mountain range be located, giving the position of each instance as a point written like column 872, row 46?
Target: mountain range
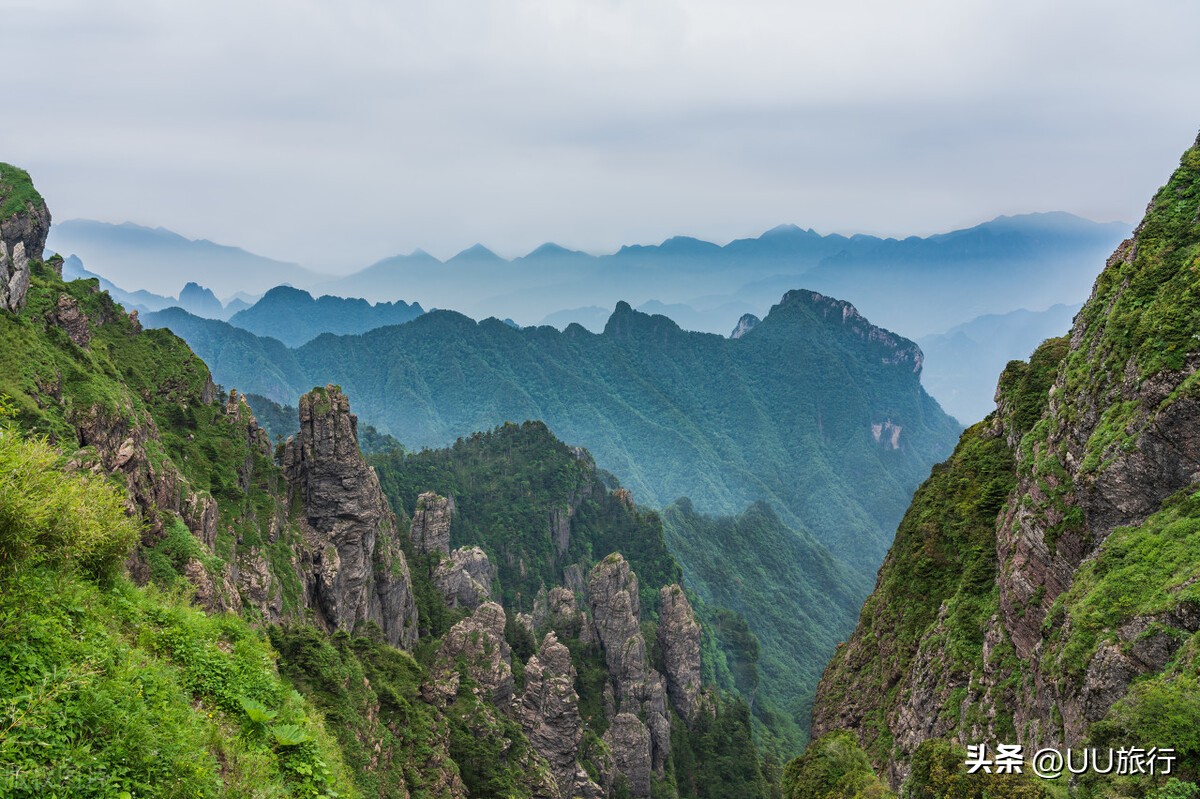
column 672, row 413
column 462, row 604
column 915, row 285
column 188, row 611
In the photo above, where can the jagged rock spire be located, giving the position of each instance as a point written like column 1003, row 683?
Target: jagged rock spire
column 356, row 571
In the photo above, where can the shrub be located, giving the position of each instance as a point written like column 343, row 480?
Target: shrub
column 48, row 515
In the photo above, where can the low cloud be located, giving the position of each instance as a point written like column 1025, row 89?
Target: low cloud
column 336, row 134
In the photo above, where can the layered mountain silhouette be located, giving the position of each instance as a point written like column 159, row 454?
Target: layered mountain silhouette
column 815, row 410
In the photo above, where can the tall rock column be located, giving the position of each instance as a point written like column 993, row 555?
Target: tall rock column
column 679, row 640
column 356, row 571
column 24, row 224
column 639, row 734
column 549, row 712
column 430, row 529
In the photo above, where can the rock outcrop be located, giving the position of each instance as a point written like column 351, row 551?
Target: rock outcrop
column 556, row 610
column 679, row 641
column 430, row 528
column 355, row 570
column 476, row 643
column 639, row 692
column 548, row 709
column 71, row 318
column 465, row 578
column 744, row 325
column 24, row 224
column 629, row 741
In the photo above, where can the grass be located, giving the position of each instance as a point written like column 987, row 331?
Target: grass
column 107, row 689
column 16, row 191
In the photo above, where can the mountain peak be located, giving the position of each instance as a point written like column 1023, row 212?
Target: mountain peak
column 802, row 306
column 476, row 253
column 626, row 322
column 286, row 293
column 552, row 250
column 744, row 325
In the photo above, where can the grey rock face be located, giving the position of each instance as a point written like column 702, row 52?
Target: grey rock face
column 638, row 690
column 679, row 640
column 71, row 318
column 549, row 712
column 478, row 641
column 465, row 578
column 629, row 741
column 616, row 611
column 356, row 571
column 744, row 325
column 22, row 238
column 430, row 530
column 556, row 610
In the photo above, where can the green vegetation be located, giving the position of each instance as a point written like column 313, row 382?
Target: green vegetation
column 783, row 414
column 1143, row 316
column 796, row 598
column 239, row 358
column 944, row 556
column 368, row 693
column 510, row 486
column 1024, row 385
column 16, row 191
column 833, row 767
column 1144, row 571
column 939, row 772
column 717, row 758
column 47, row 520
column 111, row 690
column 127, row 386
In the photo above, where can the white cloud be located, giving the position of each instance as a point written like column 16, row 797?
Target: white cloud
column 336, row 133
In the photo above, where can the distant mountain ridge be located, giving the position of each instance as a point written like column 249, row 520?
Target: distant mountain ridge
column 961, row 364
column 672, row 413
column 917, row 285
column 295, row 317
column 161, row 261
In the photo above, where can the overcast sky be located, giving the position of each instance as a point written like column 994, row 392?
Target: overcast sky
column 337, row 133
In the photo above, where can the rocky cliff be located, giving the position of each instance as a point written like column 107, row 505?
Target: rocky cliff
column 549, row 712
column 1039, row 590
column 430, row 529
column 358, row 572
column 639, row 734
column 24, row 224
column 679, row 641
